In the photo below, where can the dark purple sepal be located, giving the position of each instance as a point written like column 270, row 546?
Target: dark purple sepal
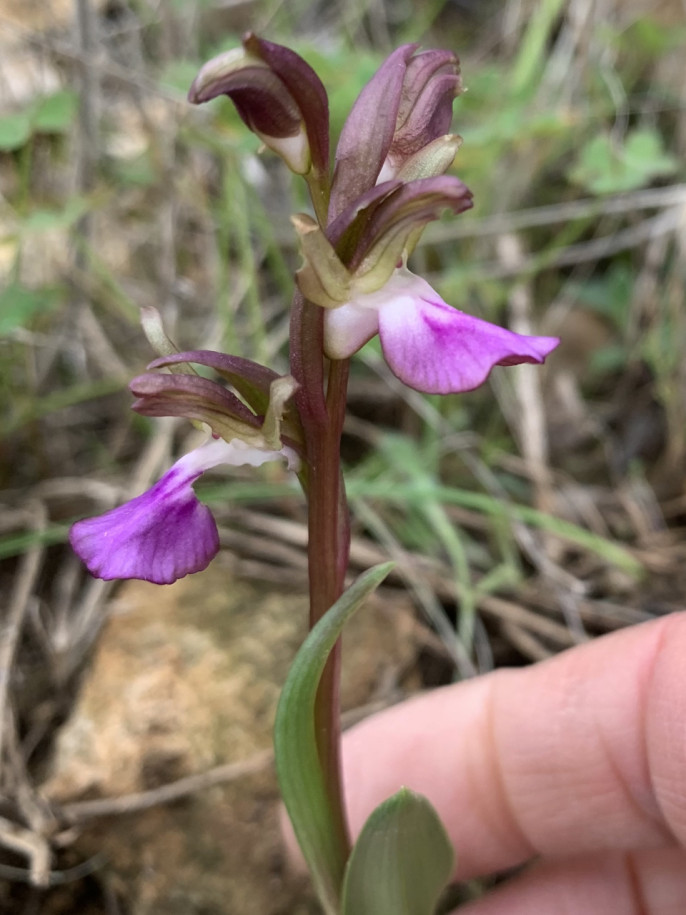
column 405, row 211
column 391, row 212
column 345, row 232
column 260, row 98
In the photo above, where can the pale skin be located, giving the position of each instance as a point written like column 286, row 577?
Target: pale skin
column 577, row 765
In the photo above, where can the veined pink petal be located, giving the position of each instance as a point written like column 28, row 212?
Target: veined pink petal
column 437, row 349
column 166, row 532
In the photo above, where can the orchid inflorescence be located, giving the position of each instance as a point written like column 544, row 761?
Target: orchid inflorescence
column 388, row 182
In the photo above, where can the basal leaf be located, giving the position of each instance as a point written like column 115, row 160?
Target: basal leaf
column 297, row 761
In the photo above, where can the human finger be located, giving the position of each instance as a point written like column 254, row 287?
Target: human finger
column 581, row 753
column 651, row 882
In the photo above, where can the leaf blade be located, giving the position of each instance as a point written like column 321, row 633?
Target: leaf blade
column 401, row 861
column 295, row 748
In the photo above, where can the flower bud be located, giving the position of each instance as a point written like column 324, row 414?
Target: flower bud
column 278, row 96
column 432, row 80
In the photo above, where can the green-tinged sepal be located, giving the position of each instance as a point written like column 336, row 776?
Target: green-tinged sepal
column 295, row 746
column 401, row 862
column 280, row 392
column 323, row 278
column 197, row 399
column 204, row 401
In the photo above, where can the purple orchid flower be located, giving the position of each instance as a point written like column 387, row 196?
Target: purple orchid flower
column 167, row 533
column 427, row 344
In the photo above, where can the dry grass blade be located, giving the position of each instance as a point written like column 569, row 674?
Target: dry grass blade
column 17, row 609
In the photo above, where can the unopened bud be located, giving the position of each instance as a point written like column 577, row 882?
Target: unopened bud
column 278, row 96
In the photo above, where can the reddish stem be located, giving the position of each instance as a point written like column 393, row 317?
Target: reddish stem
column 322, row 417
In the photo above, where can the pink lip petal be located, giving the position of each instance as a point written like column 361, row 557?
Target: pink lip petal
column 166, row 532
column 160, row 536
column 437, row 349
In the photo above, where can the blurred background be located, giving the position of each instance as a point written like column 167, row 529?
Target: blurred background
column 542, row 510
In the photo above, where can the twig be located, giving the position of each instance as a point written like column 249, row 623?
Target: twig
column 529, row 418
column 526, row 643
column 30, row 844
column 515, row 221
column 81, row 811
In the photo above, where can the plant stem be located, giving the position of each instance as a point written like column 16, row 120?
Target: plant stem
column 328, row 526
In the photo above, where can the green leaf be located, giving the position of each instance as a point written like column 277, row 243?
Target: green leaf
column 15, row 130
column 644, row 154
column 295, row 747
column 56, row 113
column 41, row 220
column 19, row 304
column 401, row 862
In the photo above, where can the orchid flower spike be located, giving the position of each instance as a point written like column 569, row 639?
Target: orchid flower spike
column 167, row 533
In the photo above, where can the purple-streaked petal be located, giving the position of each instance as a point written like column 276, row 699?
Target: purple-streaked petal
column 166, row 532
column 437, row 349
column 403, row 214
column 426, row 108
column 394, row 207
column 260, row 97
column 263, row 98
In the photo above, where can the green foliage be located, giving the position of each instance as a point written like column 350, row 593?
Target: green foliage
column 605, row 167
column 19, row 305
column 55, row 113
column 15, row 130
column 401, row 862
column 608, row 295
column 51, row 114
